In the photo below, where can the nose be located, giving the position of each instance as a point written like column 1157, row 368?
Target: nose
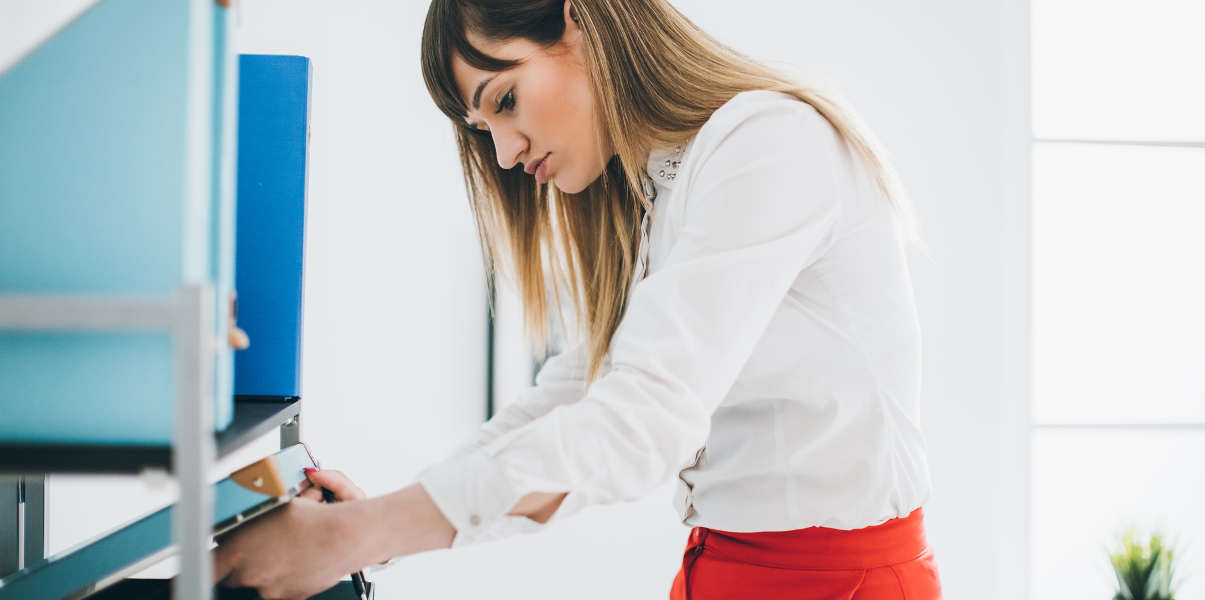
column 509, row 145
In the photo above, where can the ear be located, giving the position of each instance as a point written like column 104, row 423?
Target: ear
column 572, row 27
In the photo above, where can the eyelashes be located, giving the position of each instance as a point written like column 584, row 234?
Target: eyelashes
column 507, row 102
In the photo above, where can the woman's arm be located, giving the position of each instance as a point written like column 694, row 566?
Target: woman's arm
column 538, row 506
column 408, row 521
column 341, row 538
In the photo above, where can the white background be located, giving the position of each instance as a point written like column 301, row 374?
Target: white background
column 394, row 338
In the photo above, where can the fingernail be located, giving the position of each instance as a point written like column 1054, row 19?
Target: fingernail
column 309, row 470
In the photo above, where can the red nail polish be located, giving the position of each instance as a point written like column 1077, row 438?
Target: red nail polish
column 309, row 470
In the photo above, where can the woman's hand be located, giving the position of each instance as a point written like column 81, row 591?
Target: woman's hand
column 305, row 547
column 244, row 559
column 295, row 551
column 333, row 480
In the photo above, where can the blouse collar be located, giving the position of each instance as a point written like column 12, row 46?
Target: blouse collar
column 662, row 167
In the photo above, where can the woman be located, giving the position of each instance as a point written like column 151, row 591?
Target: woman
column 730, row 247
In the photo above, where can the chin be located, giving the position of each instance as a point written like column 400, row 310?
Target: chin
column 569, row 186
column 574, row 184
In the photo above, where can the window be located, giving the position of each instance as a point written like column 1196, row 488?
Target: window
column 1118, row 304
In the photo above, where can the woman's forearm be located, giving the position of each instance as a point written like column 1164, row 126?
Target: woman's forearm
column 399, row 523
column 408, row 522
column 538, row 506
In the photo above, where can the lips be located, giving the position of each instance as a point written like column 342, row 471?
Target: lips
column 530, row 168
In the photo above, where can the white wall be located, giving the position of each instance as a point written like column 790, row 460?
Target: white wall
column 394, row 342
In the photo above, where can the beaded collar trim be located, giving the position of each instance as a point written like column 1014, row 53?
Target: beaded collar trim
column 662, row 168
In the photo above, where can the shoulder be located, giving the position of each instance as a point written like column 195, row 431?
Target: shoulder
column 763, row 162
column 754, row 102
column 776, row 114
column 761, row 122
column 763, row 126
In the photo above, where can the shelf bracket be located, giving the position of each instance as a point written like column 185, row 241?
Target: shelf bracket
column 22, row 522
column 290, row 432
column 10, row 526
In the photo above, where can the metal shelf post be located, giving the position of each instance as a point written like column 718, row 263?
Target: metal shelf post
column 190, row 318
column 193, row 445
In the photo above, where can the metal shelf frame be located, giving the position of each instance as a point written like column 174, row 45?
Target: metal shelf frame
column 189, row 318
column 252, row 419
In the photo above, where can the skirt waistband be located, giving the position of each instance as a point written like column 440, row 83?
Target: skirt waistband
column 891, row 542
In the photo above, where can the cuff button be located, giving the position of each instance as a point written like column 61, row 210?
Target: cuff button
column 474, row 520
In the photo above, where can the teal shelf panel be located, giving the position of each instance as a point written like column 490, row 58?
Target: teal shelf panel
column 116, row 178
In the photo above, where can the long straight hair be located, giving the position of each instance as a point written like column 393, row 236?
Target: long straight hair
column 581, row 249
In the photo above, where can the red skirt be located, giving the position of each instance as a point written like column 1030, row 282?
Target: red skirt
column 889, row 561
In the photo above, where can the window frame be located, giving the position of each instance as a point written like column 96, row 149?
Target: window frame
column 1020, row 140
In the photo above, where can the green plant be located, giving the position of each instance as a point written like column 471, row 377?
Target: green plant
column 1144, row 568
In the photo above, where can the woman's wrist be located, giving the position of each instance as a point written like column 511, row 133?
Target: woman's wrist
column 397, row 524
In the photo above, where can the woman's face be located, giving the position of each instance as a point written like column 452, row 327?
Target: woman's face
column 540, row 113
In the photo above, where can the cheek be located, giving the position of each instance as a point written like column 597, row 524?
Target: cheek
column 578, row 131
column 559, row 110
column 583, row 107
column 560, row 117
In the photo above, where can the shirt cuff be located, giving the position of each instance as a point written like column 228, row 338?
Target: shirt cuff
column 472, row 493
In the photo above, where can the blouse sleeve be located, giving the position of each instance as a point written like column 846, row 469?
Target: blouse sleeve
column 760, row 207
column 560, row 380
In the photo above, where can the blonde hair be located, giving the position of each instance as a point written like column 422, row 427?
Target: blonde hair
column 585, row 244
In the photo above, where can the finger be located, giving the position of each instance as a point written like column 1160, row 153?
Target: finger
column 237, row 338
column 336, row 482
column 306, row 484
column 339, row 485
column 311, row 493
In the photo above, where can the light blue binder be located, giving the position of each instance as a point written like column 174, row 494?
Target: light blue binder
column 116, row 178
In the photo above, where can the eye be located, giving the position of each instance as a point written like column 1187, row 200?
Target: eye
column 507, row 101
column 474, row 127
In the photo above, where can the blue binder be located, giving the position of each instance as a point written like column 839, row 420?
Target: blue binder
column 116, row 178
column 274, row 94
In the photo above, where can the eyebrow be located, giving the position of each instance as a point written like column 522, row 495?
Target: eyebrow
column 477, row 94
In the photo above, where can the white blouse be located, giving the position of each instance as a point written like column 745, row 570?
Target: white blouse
column 769, row 359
